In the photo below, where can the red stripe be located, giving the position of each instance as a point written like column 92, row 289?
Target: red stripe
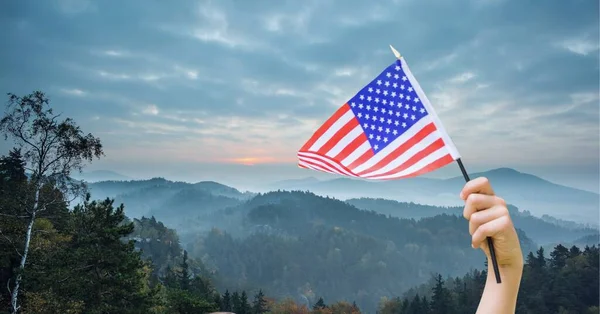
column 329, row 161
column 439, row 143
column 441, row 162
column 351, row 147
column 362, row 159
column 424, row 132
column 337, row 137
column 322, row 168
column 340, row 112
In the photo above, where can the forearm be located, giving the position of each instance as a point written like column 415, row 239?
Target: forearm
column 501, row 298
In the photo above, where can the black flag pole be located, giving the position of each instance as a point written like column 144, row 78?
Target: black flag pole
column 489, row 240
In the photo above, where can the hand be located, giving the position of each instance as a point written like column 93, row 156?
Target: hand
column 488, row 217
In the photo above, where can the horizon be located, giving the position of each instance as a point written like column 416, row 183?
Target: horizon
column 251, row 185
column 202, row 90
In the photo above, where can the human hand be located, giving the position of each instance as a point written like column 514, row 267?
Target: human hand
column 488, row 216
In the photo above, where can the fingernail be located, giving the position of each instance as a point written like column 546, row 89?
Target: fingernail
column 461, row 195
column 473, row 246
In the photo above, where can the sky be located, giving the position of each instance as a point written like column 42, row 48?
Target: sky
column 229, row 90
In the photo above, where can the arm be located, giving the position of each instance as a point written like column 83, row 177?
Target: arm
column 488, row 217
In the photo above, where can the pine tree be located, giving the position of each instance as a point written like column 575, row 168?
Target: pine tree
column 236, row 303
column 320, row 304
column 184, row 276
column 226, row 304
column 245, row 307
column 259, row 305
column 441, row 299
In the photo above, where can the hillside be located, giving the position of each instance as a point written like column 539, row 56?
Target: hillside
column 526, row 191
column 294, row 243
column 544, row 230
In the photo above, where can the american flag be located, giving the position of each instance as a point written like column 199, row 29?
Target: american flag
column 388, row 130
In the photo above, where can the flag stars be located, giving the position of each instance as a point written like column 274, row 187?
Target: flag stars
column 368, row 107
column 384, row 101
column 387, row 130
column 422, row 110
column 414, row 108
column 370, row 89
column 388, row 74
column 385, row 139
column 367, row 116
column 416, row 99
column 376, row 100
column 379, row 129
column 402, row 86
column 396, row 76
column 390, row 112
column 353, row 104
column 362, row 97
column 395, row 132
column 412, row 117
column 395, row 85
column 410, row 89
column 376, row 147
column 387, row 84
column 378, row 91
column 403, row 124
column 359, row 115
column 397, row 113
column 374, row 118
column 360, row 106
column 408, row 97
column 385, row 92
column 369, row 98
column 371, row 136
column 397, row 68
column 376, row 109
column 404, row 78
column 389, row 121
column 379, row 82
column 393, row 94
column 378, row 138
column 396, row 123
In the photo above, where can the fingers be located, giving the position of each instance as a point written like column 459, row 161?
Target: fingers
column 485, row 216
column 489, row 229
column 477, row 202
column 479, row 185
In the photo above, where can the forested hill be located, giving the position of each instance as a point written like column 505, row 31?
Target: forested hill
column 543, row 230
column 302, row 245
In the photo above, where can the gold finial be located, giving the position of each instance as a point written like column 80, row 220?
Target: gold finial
column 396, row 53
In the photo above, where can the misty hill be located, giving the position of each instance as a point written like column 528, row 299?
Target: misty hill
column 298, row 243
column 100, row 175
column 168, row 201
column 526, row 191
column 547, row 230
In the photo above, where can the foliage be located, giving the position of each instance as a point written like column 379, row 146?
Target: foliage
column 566, row 282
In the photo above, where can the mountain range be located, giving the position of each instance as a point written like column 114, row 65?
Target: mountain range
column 526, row 191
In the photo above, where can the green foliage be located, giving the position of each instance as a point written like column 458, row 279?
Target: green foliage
column 563, row 283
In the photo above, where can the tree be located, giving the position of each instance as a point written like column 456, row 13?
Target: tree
column 320, row 304
column 226, row 302
column 441, row 299
column 52, row 149
column 259, row 306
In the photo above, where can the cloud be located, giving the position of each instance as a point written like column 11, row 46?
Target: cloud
column 250, row 81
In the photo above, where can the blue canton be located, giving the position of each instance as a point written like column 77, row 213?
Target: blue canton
column 387, row 107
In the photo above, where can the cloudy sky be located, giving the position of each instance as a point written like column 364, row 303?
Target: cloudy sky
column 229, row 89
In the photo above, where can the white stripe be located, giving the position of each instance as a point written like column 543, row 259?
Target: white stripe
column 321, row 164
column 356, row 153
column 431, row 112
column 307, row 165
column 412, row 131
column 356, row 132
column 336, row 126
column 315, row 157
column 406, row 155
column 417, row 166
